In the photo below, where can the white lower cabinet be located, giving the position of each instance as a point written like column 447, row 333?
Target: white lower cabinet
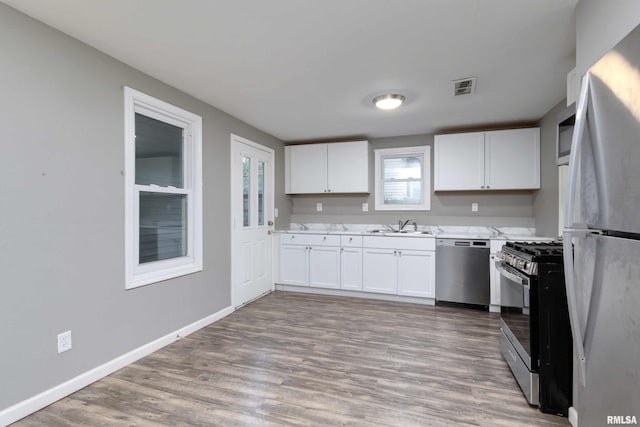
column 388, row 265
column 379, row 270
column 416, row 270
column 293, row 265
column 310, row 260
column 324, row 266
column 399, row 265
column 351, row 268
column 494, row 274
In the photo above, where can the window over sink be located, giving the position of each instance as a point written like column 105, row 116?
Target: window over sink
column 402, row 180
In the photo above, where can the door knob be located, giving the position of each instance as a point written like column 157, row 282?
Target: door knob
column 269, row 222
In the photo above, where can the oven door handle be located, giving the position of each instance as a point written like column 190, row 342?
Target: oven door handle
column 513, row 277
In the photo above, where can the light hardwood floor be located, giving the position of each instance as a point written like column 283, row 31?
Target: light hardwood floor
column 295, row 359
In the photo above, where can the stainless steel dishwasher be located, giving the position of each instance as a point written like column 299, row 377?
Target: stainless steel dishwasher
column 462, row 271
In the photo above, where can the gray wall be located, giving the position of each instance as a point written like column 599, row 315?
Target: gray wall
column 600, row 25
column 496, row 208
column 62, row 211
column 545, row 200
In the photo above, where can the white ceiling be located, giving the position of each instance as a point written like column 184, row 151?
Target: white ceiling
column 307, row 69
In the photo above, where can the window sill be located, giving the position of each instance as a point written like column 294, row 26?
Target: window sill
column 148, row 278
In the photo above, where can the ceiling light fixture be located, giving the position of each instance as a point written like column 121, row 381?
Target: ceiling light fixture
column 389, row 101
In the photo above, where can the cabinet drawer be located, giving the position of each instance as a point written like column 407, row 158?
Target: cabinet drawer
column 351, row 241
column 310, row 239
column 414, row 243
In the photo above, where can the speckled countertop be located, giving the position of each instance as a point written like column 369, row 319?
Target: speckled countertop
column 443, row 232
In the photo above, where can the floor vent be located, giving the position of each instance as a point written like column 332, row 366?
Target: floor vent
column 464, row 86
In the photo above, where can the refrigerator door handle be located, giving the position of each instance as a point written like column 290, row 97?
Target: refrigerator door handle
column 572, row 302
column 576, row 147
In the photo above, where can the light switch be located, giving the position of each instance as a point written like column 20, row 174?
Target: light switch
column 275, row 212
column 319, row 207
column 474, row 207
column 365, row 207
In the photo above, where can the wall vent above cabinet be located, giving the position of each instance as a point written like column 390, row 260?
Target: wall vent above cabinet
column 464, row 86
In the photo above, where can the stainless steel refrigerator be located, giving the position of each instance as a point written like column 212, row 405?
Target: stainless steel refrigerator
column 602, row 240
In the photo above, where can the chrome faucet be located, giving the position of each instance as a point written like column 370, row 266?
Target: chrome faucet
column 402, row 225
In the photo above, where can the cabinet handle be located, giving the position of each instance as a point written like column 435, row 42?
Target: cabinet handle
column 395, row 252
column 351, row 239
column 400, row 253
column 488, row 186
column 324, row 238
column 482, row 186
column 341, row 249
column 329, row 191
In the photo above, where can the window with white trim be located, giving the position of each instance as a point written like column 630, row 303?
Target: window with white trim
column 163, row 190
column 403, row 179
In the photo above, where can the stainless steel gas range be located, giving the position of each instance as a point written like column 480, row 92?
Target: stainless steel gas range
column 536, row 334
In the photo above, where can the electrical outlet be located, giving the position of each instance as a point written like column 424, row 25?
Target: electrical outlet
column 474, row 207
column 365, row 207
column 64, row 342
column 319, row 207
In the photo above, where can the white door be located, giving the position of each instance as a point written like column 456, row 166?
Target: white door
column 252, row 219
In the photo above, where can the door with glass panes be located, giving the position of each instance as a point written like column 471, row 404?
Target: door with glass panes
column 252, row 219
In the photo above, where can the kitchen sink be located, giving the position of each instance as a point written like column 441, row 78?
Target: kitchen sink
column 401, row 232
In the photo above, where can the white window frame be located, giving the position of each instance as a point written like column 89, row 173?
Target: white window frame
column 419, row 151
column 151, row 272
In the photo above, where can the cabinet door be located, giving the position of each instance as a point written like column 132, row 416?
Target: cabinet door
column 494, row 279
column 351, row 268
column 324, row 266
column 307, row 166
column 512, row 159
column 293, row 265
column 379, row 270
column 459, row 161
column 348, row 167
column 416, row 273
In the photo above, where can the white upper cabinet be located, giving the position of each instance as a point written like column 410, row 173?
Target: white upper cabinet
column 512, row 159
column 497, row 160
column 307, row 168
column 340, row 167
column 348, row 167
column 459, row 161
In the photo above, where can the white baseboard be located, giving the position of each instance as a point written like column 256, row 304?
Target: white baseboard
column 39, row 401
column 573, row 416
column 355, row 294
column 494, row 308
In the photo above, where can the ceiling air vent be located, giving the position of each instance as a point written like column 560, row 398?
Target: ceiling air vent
column 464, row 86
